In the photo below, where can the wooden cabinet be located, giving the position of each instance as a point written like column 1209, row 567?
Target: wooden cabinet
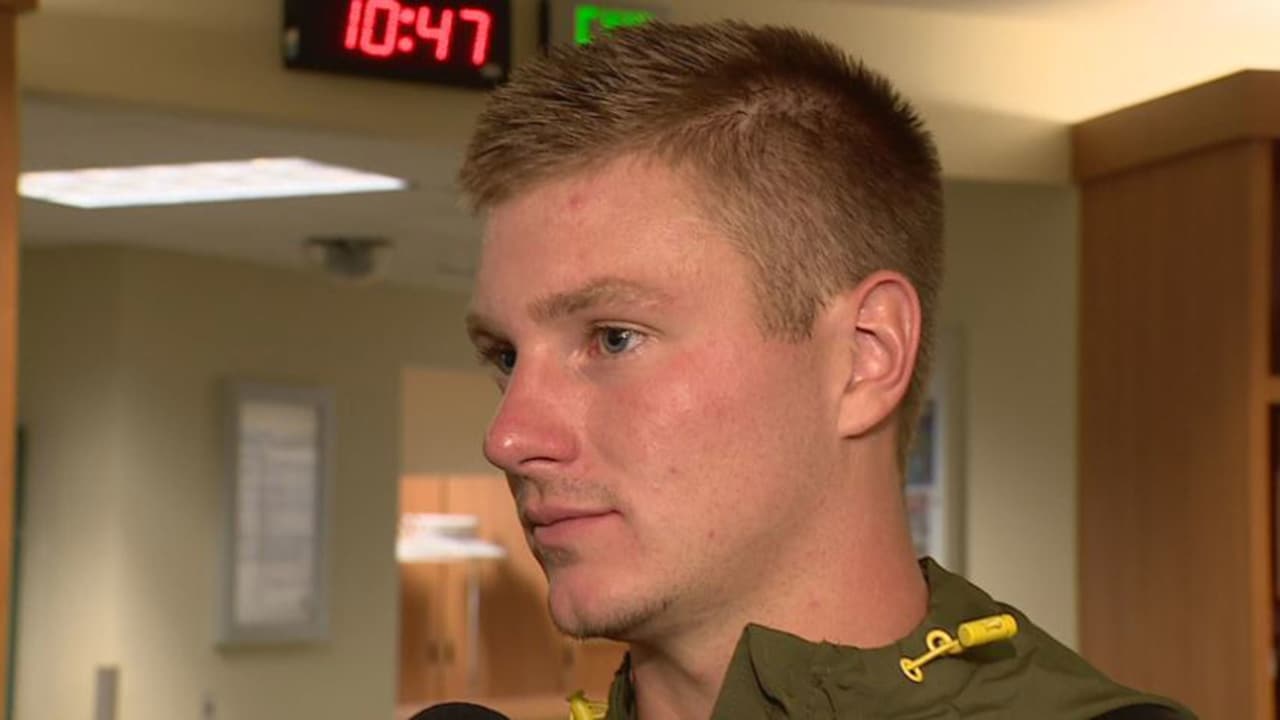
column 522, row 665
column 1178, row 386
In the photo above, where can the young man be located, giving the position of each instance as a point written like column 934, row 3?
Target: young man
column 708, row 283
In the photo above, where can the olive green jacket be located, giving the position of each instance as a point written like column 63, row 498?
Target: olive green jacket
column 777, row 675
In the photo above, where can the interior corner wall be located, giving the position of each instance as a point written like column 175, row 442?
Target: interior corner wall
column 1011, row 291
column 170, row 330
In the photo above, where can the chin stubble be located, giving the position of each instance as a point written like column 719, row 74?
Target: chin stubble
column 622, row 622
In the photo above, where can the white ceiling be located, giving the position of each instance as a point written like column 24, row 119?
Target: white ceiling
column 998, row 80
column 434, row 239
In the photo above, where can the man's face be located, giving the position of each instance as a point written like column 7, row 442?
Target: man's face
column 661, row 450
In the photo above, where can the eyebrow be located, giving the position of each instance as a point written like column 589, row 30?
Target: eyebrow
column 606, row 290
column 600, row 291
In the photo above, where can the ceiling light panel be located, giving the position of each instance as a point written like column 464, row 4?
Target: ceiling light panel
column 200, row 183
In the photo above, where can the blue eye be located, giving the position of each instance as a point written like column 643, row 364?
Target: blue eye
column 502, row 359
column 616, row 340
column 505, row 360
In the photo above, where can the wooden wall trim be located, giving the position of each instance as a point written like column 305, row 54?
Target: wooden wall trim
column 1260, row 599
column 8, row 321
column 18, row 5
column 1243, row 106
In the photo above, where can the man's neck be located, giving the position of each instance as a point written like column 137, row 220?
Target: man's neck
column 861, row 586
column 680, row 683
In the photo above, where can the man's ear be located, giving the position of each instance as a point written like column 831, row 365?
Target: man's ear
column 877, row 325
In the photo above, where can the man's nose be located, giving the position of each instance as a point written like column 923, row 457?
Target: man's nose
column 533, row 424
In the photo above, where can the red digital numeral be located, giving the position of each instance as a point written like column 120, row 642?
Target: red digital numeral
column 373, row 29
column 442, row 34
column 353, row 24
column 483, row 21
column 386, row 45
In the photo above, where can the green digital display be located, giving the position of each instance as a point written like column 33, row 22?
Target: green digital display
column 590, row 20
column 574, row 22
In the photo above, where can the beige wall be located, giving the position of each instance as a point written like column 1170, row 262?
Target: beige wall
column 70, row 401
column 1011, row 292
column 445, row 415
column 122, row 353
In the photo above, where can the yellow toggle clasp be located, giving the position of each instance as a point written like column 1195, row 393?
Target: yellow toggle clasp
column 971, row 634
column 580, row 708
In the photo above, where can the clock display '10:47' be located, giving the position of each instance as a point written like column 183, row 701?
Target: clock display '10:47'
column 384, row 28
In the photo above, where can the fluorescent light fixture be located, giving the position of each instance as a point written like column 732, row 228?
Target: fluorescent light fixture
column 199, row 182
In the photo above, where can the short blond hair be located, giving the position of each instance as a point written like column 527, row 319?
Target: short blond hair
column 814, row 165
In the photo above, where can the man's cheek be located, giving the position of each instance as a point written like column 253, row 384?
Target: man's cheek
column 647, row 402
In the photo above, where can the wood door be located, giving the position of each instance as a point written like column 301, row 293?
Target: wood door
column 432, row 611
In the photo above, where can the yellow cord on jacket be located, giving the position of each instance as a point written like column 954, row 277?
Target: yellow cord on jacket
column 969, row 635
column 580, row 708
column 974, row 633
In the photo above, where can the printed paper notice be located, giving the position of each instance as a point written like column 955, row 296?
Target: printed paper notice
column 276, row 523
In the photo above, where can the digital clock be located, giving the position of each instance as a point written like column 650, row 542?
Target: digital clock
column 463, row 42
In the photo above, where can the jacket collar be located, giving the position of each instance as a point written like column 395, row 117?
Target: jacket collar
column 774, row 674
column 819, row 679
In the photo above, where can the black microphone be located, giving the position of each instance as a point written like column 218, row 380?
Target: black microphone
column 459, row 711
